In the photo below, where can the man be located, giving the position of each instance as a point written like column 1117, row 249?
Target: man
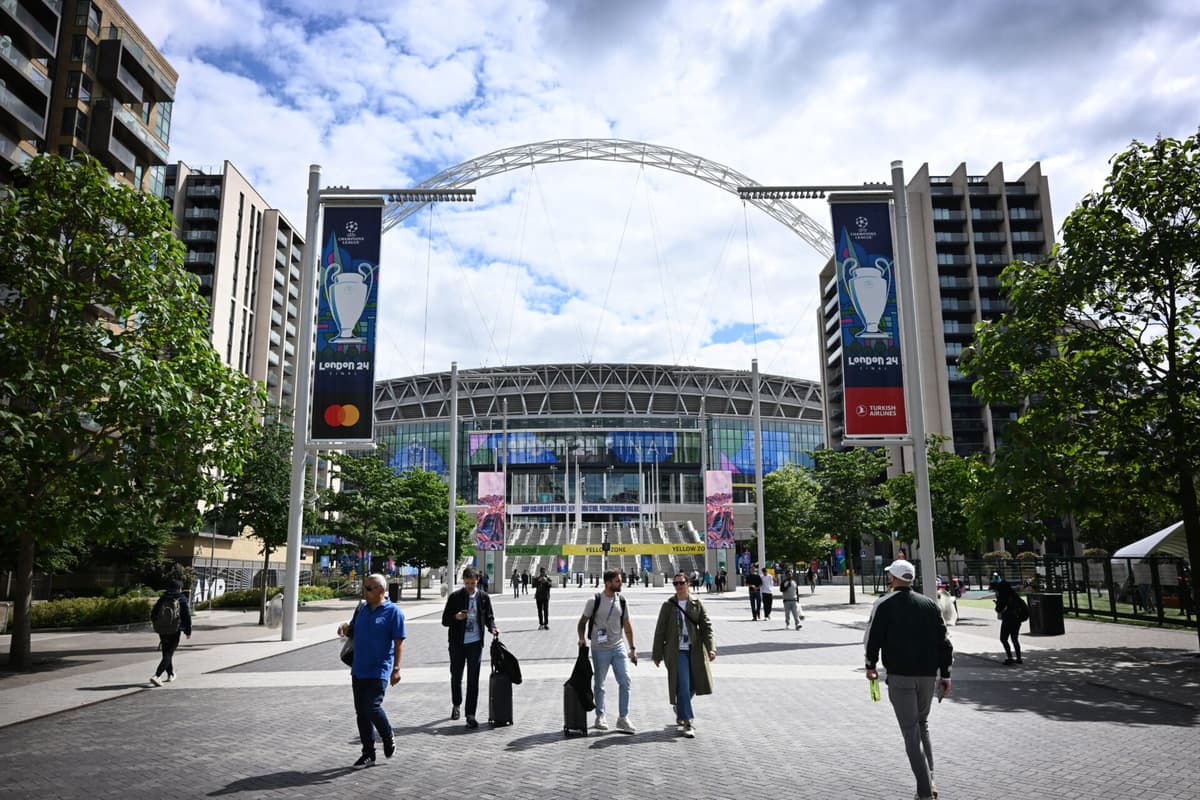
column 768, row 593
column 604, row 620
column 754, row 583
column 378, row 633
column 468, row 613
column 910, row 630
column 541, row 596
column 525, row 581
column 791, row 600
column 171, row 616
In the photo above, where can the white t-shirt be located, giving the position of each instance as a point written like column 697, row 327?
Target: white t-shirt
column 768, row 586
column 685, row 642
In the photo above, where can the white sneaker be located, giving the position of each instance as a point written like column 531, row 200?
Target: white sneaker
column 601, row 722
column 156, row 681
column 625, row 726
column 688, row 731
column 170, row 678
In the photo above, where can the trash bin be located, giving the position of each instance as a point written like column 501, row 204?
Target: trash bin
column 1045, row 614
column 394, row 591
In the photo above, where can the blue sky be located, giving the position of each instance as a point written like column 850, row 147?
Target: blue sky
column 614, row 262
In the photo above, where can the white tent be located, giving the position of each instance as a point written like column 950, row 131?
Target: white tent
column 1167, row 542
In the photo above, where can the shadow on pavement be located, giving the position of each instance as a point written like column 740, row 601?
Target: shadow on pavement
column 114, row 687
column 773, row 647
column 284, row 780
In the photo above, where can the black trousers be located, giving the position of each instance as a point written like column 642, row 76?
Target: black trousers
column 543, row 608
column 469, row 656
column 768, row 599
column 1010, row 628
column 755, row 604
column 169, row 645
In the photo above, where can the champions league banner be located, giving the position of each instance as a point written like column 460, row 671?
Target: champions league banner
column 718, row 509
column 343, row 394
column 873, row 380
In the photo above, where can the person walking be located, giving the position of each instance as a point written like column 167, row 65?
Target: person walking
column 468, row 613
column 754, row 584
column 171, row 617
column 791, row 600
column 909, row 629
column 377, row 628
column 516, row 584
column 541, row 597
column 605, row 618
column 768, row 593
column 525, row 581
column 812, row 579
column 1012, row 611
column 683, row 638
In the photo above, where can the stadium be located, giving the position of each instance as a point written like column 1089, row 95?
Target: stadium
column 600, row 452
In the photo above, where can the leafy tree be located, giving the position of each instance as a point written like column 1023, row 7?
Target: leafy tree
column 117, row 417
column 369, row 506
column 1102, row 336
column 789, row 495
column 849, row 499
column 953, row 483
column 424, row 521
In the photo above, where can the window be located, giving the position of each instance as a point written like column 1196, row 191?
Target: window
column 79, row 87
column 74, row 123
column 162, row 121
column 77, row 47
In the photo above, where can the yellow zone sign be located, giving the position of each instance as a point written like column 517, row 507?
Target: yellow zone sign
column 692, row 548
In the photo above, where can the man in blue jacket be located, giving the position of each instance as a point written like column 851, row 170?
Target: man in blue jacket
column 378, row 632
column 909, row 628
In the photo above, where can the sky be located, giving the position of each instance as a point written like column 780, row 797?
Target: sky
column 611, row 262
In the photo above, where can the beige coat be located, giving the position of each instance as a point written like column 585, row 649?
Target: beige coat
column 666, row 644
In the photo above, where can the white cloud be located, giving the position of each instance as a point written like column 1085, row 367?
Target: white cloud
column 388, row 94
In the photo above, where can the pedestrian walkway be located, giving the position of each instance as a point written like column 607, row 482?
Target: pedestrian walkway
column 1103, row 710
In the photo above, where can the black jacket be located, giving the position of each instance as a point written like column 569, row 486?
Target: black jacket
column 910, row 630
column 457, row 601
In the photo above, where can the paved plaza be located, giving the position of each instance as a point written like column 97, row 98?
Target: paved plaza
column 1104, row 711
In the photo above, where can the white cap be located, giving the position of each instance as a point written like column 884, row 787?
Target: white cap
column 903, row 570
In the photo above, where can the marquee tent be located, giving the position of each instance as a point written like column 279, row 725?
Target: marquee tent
column 1169, row 541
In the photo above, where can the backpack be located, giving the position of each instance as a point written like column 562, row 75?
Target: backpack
column 166, row 616
column 1021, row 609
column 596, row 609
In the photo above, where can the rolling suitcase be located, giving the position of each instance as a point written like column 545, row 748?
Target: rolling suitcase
column 575, row 718
column 500, row 700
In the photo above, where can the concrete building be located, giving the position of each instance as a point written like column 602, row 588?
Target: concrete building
column 79, row 77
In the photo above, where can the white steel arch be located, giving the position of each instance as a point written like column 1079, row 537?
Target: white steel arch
column 619, row 150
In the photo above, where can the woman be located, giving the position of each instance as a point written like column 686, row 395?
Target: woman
column 683, row 638
column 1012, row 611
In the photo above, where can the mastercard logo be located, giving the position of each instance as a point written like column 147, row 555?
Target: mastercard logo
column 341, row 416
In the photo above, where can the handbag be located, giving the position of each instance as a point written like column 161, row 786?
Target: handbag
column 347, row 654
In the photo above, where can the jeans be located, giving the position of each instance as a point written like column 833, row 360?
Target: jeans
column 755, row 604
column 618, row 659
column 767, row 599
column 911, row 697
column 683, row 687
column 368, row 712
column 791, row 609
column 467, row 655
column 168, row 644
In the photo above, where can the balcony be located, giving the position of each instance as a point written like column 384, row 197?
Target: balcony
column 106, row 147
column 134, row 57
column 204, row 190
column 25, row 68
column 208, row 259
column 192, row 236
column 111, row 119
column 30, row 33
column 281, row 238
column 30, row 122
column 981, row 236
column 202, row 213
column 952, row 238
column 122, row 83
column 11, row 152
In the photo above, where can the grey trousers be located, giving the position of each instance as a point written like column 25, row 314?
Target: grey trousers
column 911, row 698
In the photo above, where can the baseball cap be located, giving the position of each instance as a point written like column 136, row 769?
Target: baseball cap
column 904, row 570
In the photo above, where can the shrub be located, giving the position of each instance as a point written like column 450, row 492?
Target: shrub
column 1027, row 555
column 310, row 593
column 80, row 612
column 252, row 598
column 1095, row 552
column 998, row 555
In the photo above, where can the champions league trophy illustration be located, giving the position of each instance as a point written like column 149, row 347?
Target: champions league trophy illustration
column 868, row 286
column 346, row 293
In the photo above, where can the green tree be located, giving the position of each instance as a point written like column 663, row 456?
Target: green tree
column 789, row 496
column 258, row 498
column 1102, row 336
column 849, row 499
column 117, row 417
column 368, row 507
column 953, row 484
column 425, row 521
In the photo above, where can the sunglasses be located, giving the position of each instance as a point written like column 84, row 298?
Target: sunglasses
column 679, row 583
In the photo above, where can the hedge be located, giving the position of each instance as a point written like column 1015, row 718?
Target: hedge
column 252, row 598
column 78, row 612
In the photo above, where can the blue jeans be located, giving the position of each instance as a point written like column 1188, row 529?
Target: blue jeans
column 368, row 711
column 683, row 687
column 618, row 659
column 469, row 656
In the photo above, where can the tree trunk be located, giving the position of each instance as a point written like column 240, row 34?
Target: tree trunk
column 20, row 652
column 418, row 583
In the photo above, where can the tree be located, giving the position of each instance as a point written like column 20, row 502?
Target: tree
column 789, row 495
column 849, row 499
column 1102, row 337
column 953, row 483
column 117, row 417
column 259, row 497
column 369, row 506
column 425, row 521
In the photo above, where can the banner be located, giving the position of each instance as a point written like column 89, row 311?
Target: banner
column 343, row 386
column 614, row 549
column 872, row 378
column 489, row 525
column 718, row 509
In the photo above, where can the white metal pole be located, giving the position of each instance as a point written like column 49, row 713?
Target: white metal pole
column 304, row 356
column 913, row 389
column 758, row 468
column 451, row 537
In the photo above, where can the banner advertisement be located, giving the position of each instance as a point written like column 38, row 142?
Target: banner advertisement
column 343, row 385
column 614, row 549
column 872, row 378
column 718, row 509
column 489, row 525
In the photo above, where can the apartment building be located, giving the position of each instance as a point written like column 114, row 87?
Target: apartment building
column 79, row 77
column 965, row 229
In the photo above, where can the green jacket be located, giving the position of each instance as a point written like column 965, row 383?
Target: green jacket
column 666, row 644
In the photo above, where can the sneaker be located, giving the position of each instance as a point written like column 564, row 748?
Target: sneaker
column 625, row 726
column 389, row 748
column 798, row 626
column 1008, row 662
column 688, row 731
column 1019, row 661
column 171, row 677
column 471, row 722
column 156, row 681
column 455, row 713
column 365, row 760
column 601, row 722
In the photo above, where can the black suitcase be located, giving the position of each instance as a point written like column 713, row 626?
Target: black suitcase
column 500, row 700
column 575, row 718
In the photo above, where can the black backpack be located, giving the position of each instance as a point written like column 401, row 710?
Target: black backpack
column 596, row 609
column 166, row 618
column 1020, row 608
